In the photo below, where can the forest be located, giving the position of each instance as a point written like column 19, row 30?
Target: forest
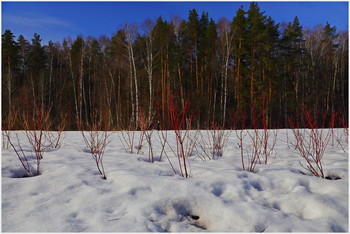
column 243, row 67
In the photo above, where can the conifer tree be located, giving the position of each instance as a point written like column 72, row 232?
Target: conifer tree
column 291, row 54
column 221, row 66
column 256, row 31
column 9, row 58
column 36, row 67
column 239, row 29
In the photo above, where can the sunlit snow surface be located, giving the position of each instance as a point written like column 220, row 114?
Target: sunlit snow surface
column 138, row 196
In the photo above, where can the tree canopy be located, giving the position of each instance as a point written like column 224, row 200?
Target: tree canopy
column 245, row 64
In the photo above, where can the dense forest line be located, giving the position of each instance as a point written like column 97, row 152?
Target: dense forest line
column 248, row 65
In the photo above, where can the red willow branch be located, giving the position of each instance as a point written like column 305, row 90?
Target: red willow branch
column 54, row 138
column 180, row 122
column 311, row 143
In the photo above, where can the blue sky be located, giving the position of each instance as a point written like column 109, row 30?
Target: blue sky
column 56, row 20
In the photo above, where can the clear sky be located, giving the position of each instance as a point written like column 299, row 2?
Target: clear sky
column 56, row 20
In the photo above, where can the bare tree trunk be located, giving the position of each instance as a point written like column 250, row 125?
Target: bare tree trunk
column 227, row 57
column 50, row 79
column 81, row 82
column 225, row 91
column 131, row 33
column 252, row 74
column 33, row 89
column 176, row 23
column 74, row 90
column 42, row 87
column 136, row 88
column 149, row 69
column 89, row 84
column 150, row 78
column 214, row 104
column 196, row 64
column 148, row 26
column 226, row 37
column 334, row 80
column 9, row 90
column 131, row 91
column 238, row 80
column 109, row 96
column 181, row 88
column 119, row 111
column 222, row 91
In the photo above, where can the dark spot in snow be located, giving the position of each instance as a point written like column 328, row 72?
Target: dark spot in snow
column 256, row 185
column 21, row 173
column 243, row 176
column 195, row 217
column 139, row 190
column 276, row 206
column 218, row 189
column 74, row 215
column 298, row 171
column 109, row 211
column 34, row 194
column 336, row 228
column 333, row 177
column 260, row 228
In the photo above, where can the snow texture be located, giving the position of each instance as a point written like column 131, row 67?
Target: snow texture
column 138, row 196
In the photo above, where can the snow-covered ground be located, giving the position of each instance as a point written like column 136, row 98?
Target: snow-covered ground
column 138, row 196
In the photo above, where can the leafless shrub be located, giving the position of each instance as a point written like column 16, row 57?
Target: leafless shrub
column 127, row 137
column 7, row 126
column 95, row 136
column 23, row 158
column 180, row 122
column 145, row 125
column 148, row 135
column 311, row 143
column 54, row 138
column 343, row 136
column 214, row 142
column 35, row 122
column 163, row 140
column 250, row 150
column 146, row 132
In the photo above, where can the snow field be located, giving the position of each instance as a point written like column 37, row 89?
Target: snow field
column 138, row 196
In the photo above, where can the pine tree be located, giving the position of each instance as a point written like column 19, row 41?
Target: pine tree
column 256, row 31
column 192, row 35
column 36, row 66
column 23, row 53
column 291, row 53
column 9, row 58
column 240, row 42
column 118, row 55
column 209, row 69
column 162, row 46
column 330, row 61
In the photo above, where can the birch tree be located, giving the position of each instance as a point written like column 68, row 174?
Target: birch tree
column 176, row 23
column 130, row 35
column 148, row 28
column 225, row 44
